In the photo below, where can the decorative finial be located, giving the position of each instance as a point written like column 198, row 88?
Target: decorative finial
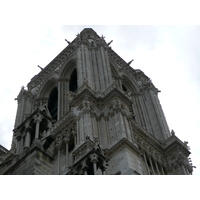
column 40, row 67
column 130, row 62
column 110, row 42
column 102, row 37
column 87, row 137
column 172, row 132
column 67, row 41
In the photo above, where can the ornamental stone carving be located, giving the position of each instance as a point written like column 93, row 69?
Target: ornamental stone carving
column 94, row 157
column 58, row 141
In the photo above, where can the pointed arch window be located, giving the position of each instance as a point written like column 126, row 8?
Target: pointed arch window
column 124, row 88
column 73, row 81
column 32, row 130
column 53, row 103
column 71, row 143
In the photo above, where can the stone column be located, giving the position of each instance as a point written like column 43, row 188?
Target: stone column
column 104, row 67
column 162, row 170
column 95, row 70
column 131, row 131
column 18, row 146
column 66, row 152
column 109, row 73
column 77, row 130
column 119, row 81
column 99, row 66
column 27, row 139
column 108, row 135
column 84, row 167
column 157, row 168
column 58, row 161
column 127, row 125
column 37, row 129
column 85, row 171
column 60, row 93
column 94, row 161
column 67, row 95
column 151, row 165
column 183, row 169
column 188, row 173
column 95, row 167
column 58, row 144
column 145, row 160
column 21, row 145
column 66, row 156
column 103, row 169
column 122, row 126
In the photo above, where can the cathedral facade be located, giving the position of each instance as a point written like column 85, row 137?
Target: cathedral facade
column 88, row 112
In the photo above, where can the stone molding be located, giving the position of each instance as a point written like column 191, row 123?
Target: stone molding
column 110, row 151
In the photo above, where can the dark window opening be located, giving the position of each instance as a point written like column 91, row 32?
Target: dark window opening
column 43, row 128
column 53, row 103
column 154, row 166
column 148, row 162
column 131, row 111
column 124, row 88
column 73, row 81
column 24, row 139
column 79, row 170
column 159, row 168
column 164, row 170
column 90, row 169
column 71, row 143
column 32, row 131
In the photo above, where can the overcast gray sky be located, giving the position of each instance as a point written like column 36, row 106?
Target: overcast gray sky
column 169, row 55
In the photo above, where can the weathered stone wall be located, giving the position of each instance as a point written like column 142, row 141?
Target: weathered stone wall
column 35, row 162
column 126, row 162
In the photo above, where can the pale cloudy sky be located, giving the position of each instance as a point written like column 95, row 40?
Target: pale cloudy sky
column 169, row 55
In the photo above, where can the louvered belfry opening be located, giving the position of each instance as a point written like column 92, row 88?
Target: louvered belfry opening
column 73, row 81
column 53, row 103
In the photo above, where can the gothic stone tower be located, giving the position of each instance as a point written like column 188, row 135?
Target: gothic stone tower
column 88, row 112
